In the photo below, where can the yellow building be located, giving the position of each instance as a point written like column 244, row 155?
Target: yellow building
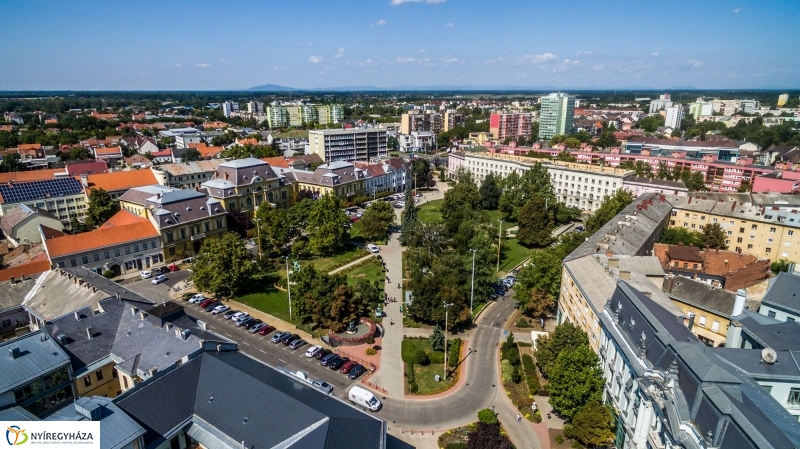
column 708, row 309
column 341, row 179
column 243, row 184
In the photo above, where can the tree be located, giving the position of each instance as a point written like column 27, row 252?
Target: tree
column 488, row 436
column 11, row 163
column 535, row 223
column 651, row 122
column 409, row 216
column 534, row 132
column 490, row 192
column 464, row 194
column 487, row 416
column 101, row 207
column 612, row 205
column 543, row 273
column 327, row 300
column 190, row 155
column 328, row 226
column 422, row 174
column 574, row 379
column 298, row 214
column 517, row 190
column 780, row 266
column 275, row 229
column 565, row 337
column 437, row 339
column 376, row 221
column 714, row 236
column 607, row 139
column 224, row 266
column 674, row 236
column 392, row 143
column 541, row 304
column 593, row 425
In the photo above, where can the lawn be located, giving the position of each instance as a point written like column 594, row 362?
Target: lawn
column 327, row 264
column 426, row 381
column 275, row 303
column 292, row 134
column 513, row 254
column 371, row 270
column 409, row 348
column 429, row 212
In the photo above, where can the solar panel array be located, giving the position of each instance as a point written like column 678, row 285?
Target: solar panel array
column 36, row 190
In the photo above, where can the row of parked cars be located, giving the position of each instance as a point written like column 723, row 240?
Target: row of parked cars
column 344, row 365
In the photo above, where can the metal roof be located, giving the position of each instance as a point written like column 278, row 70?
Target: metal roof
column 36, row 355
column 117, row 429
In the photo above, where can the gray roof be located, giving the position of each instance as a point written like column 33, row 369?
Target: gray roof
column 18, row 214
column 240, row 172
column 679, row 185
column 198, row 394
column 139, row 195
column 783, row 292
column 117, row 429
column 17, row 413
column 328, row 175
column 179, row 207
column 12, row 295
column 769, row 332
column 38, row 355
column 699, row 294
column 189, row 168
column 750, row 362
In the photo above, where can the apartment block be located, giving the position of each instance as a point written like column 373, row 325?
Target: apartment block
column 674, row 117
column 700, row 108
column 664, row 101
column 421, row 121
column 453, row 119
column 353, row 144
column 62, row 197
column 416, row 141
column 511, row 125
column 556, row 116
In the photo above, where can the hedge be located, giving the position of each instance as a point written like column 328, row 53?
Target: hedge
column 454, row 352
column 436, row 357
column 410, row 373
column 530, row 374
column 408, row 352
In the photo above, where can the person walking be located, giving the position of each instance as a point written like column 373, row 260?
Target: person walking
column 519, row 418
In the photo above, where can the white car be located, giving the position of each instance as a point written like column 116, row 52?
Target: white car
column 236, row 316
column 146, row 274
column 401, row 203
column 312, row 351
column 197, row 299
column 372, row 248
column 158, row 279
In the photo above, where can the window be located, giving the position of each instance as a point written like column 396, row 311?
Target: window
column 169, row 237
column 767, row 388
column 787, row 244
column 794, row 396
column 127, row 250
column 770, row 240
column 738, row 240
column 84, row 259
column 692, row 225
column 73, row 262
column 785, row 254
column 715, row 326
column 99, row 375
column 686, row 265
column 768, row 250
column 789, row 319
column 183, row 233
column 125, row 382
column 171, row 250
column 87, row 381
column 741, row 230
column 771, row 314
column 754, row 227
column 752, row 237
column 116, row 252
column 731, row 223
column 114, row 373
column 106, row 255
column 749, row 247
column 694, row 266
column 790, row 233
column 702, row 321
column 771, row 230
column 61, row 264
column 713, row 220
column 702, row 218
column 730, row 232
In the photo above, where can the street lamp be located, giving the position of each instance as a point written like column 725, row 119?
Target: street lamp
column 472, row 288
column 446, row 307
column 288, row 287
column 258, row 225
column 499, row 237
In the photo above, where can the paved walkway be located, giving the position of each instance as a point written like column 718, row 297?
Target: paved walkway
column 351, row 264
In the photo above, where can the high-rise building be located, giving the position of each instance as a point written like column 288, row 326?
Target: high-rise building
column 301, row 114
column 453, row 119
column 701, row 108
column 229, row 107
column 663, row 102
column 510, row 125
column 255, row 107
column 421, row 121
column 674, row 116
column 556, row 116
column 782, row 99
column 329, row 114
column 277, row 117
column 354, row 144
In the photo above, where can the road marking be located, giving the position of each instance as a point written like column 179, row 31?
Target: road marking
column 284, row 361
column 498, row 315
column 248, row 344
column 263, row 351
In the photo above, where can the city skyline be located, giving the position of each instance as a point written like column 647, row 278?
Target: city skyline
column 92, row 45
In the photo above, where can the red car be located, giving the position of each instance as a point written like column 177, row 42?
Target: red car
column 265, row 330
column 205, row 303
column 347, row 367
column 173, row 267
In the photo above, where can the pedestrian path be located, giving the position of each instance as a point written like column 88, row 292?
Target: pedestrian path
column 351, row 264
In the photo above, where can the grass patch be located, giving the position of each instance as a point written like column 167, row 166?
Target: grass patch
column 408, row 322
column 331, row 263
column 513, row 254
column 292, row 134
column 275, row 303
column 424, row 376
column 478, row 307
column 409, row 348
column 429, row 212
column 371, row 270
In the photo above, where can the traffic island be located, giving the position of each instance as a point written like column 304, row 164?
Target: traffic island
column 424, row 368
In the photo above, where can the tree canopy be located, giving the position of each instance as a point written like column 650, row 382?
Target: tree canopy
column 592, row 426
column 376, row 221
column 101, row 207
column 574, row 379
column 612, row 205
column 490, row 192
column 517, row 190
column 535, row 223
column 565, row 337
column 328, row 226
column 275, row 229
column 224, row 266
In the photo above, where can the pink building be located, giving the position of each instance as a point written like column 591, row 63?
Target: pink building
column 639, row 185
column 780, row 182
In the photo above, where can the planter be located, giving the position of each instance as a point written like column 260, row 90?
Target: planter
column 338, row 340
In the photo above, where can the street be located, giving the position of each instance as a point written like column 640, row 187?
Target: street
column 162, row 291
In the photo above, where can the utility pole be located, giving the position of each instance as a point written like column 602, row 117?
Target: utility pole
column 446, row 308
column 288, row 286
column 258, row 225
column 472, row 288
column 499, row 242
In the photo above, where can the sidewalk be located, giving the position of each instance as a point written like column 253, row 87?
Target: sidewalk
column 351, row 264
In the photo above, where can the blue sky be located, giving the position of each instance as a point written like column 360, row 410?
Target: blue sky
column 198, row 45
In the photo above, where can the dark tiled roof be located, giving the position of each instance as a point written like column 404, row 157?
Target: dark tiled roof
column 784, row 292
column 116, row 428
column 37, row 356
column 716, row 300
column 687, row 253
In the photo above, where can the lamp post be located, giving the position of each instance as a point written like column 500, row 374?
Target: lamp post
column 288, row 287
column 472, row 288
column 499, row 238
column 258, row 225
column 446, row 307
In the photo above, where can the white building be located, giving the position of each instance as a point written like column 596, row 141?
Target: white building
column 229, row 107
column 353, row 144
column 701, row 108
column 663, row 102
column 416, row 141
column 674, row 116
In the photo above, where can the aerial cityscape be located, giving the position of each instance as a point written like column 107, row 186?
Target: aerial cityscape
column 400, row 224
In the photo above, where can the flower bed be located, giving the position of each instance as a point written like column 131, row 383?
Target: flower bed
column 355, row 341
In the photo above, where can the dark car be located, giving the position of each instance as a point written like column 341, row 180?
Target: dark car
column 212, row 306
column 356, row 371
column 288, row 338
column 328, row 359
column 229, row 314
column 499, row 290
column 266, row 329
column 244, row 322
column 251, row 323
column 337, row 363
column 347, row 367
column 322, row 353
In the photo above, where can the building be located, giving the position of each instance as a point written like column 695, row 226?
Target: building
column 709, row 309
column 556, row 116
column 143, row 145
column 417, row 141
column 186, row 174
column 639, row 185
column 277, row 116
column 62, row 197
column 662, row 103
column 783, row 99
column 453, row 119
column 510, row 125
column 777, row 182
column 118, row 182
column 421, row 121
column 354, row 144
column 117, row 429
column 299, row 115
column 183, row 217
column 700, row 108
column 781, row 301
column 767, row 231
column 35, row 374
column 243, row 184
column 20, row 225
column 124, row 243
column 109, row 155
column 229, row 107
column 255, row 107
column 729, row 270
column 341, row 179
column 329, row 114
column 674, row 116
column 377, row 180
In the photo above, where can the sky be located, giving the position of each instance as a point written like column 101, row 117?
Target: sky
column 230, row 45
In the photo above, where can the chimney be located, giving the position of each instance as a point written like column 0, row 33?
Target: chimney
column 77, row 316
column 613, row 262
column 625, row 275
column 648, row 294
column 143, row 315
column 119, row 297
column 14, row 352
column 609, row 253
column 739, row 302
column 134, row 310
column 733, row 206
column 89, row 333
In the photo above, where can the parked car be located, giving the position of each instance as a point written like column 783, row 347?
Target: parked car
column 251, row 323
column 312, row 350
column 372, row 248
column 347, row 367
column 356, row 371
column 324, row 386
column 230, row 313
column 212, row 305
column 241, row 318
column 173, row 267
column 277, row 337
column 238, row 315
column 364, row 398
column 242, row 322
column 204, row 303
column 337, row 363
column 579, row 228
column 266, row 329
column 220, row 309
column 257, row 327
column 158, row 279
column 146, row 274
column 296, row 344
column 197, row 298
column 289, row 338
column 322, row 353
column 328, row 359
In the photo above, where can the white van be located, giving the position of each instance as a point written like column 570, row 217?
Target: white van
column 364, row 398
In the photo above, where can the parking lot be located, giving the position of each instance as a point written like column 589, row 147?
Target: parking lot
column 270, row 353
column 162, row 291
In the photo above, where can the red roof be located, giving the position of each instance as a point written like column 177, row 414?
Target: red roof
column 121, row 180
column 130, row 229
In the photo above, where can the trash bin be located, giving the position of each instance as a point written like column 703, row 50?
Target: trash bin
column 437, row 378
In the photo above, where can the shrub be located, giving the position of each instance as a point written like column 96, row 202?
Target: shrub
column 513, row 356
column 371, row 351
column 370, row 340
column 410, row 372
column 108, row 274
column 422, row 358
column 436, row 356
column 559, row 439
column 456, row 445
column 516, row 377
column 531, row 376
column 523, row 344
column 454, row 351
column 506, row 371
column 408, row 351
column 523, row 323
column 537, row 417
column 412, row 387
column 487, row 416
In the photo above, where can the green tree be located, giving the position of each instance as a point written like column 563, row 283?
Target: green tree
column 541, row 304
column 101, row 207
column 517, row 190
column 651, row 122
column 674, row 236
column 224, row 266
column 574, row 379
column 490, row 192
column 328, row 226
column 298, row 214
column 392, row 143
column 607, row 139
column 464, row 194
column 714, row 236
column 535, row 223
column 422, row 174
column 275, row 229
column 780, row 266
column 487, row 416
column 592, row 426
column 565, row 337
column 612, row 205
column 437, row 339
column 409, row 216
column 11, row 163
column 543, row 273
column 190, row 155
column 376, row 221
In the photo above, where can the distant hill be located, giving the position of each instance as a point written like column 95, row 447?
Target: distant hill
column 272, row 88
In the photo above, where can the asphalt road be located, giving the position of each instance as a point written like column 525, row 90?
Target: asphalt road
column 160, row 292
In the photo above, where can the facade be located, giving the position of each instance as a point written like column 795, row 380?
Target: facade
column 377, row 180
column 717, row 268
column 35, row 374
column 299, row 115
column 779, row 182
column 183, row 217
column 243, row 184
column 187, row 174
column 421, row 121
column 354, row 144
column 781, row 301
column 124, row 243
column 341, row 179
column 453, row 119
column 663, row 102
column 674, row 116
column 700, row 108
column 229, row 107
column 639, row 185
column 417, row 141
column 556, row 116
column 62, row 197
column 510, row 125
column 20, row 225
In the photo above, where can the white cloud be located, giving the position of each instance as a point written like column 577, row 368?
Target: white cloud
column 694, row 63
column 571, row 61
column 315, row 59
column 584, row 53
column 279, row 67
column 202, row 65
column 430, row 2
column 339, row 53
column 738, row 10
column 379, row 23
column 412, row 60
column 539, row 59
column 449, row 25
column 178, row 64
column 305, row 44
column 450, row 60
column 223, row 60
column 655, row 53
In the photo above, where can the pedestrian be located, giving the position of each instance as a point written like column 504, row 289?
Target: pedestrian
column 519, row 418
column 549, row 415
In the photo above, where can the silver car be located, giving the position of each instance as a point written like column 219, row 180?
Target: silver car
column 324, row 386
